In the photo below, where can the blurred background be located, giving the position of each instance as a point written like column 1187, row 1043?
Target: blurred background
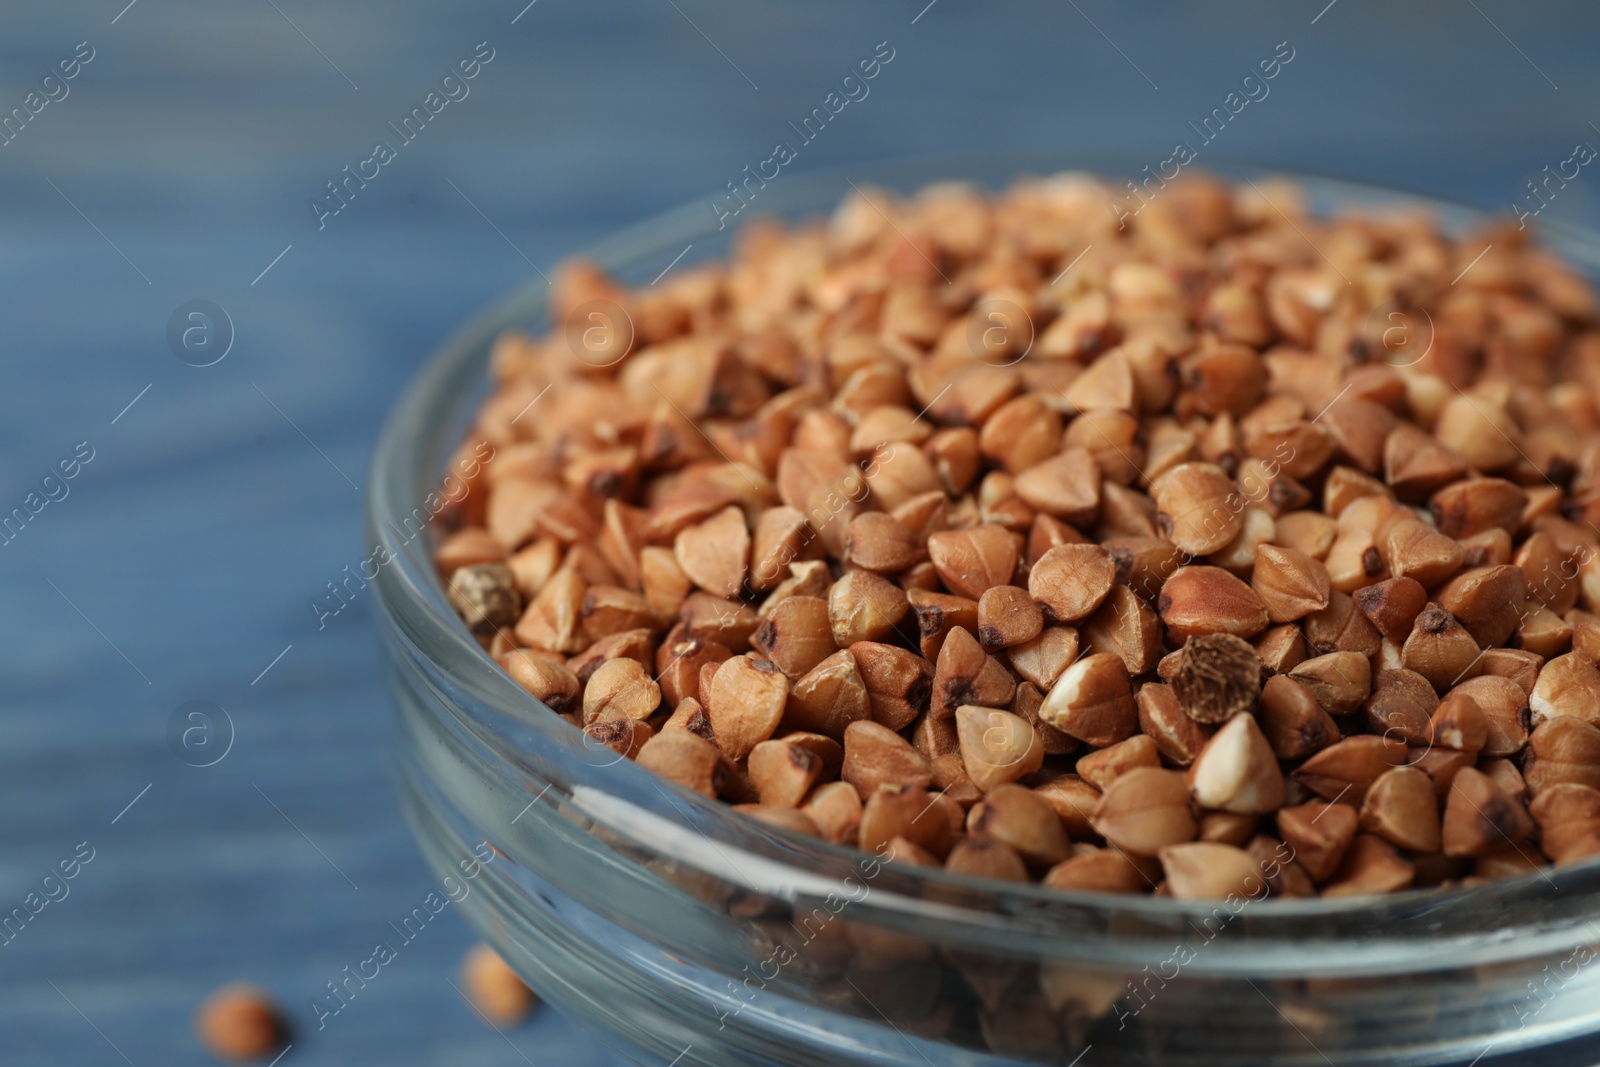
column 178, row 164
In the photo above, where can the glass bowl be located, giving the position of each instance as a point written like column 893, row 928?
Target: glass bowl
column 698, row 936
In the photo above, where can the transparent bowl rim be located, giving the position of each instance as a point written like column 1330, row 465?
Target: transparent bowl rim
column 524, row 738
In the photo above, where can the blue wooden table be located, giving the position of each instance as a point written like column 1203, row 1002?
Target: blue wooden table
column 181, row 160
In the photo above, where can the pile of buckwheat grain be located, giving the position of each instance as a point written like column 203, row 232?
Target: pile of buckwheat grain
column 1237, row 545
